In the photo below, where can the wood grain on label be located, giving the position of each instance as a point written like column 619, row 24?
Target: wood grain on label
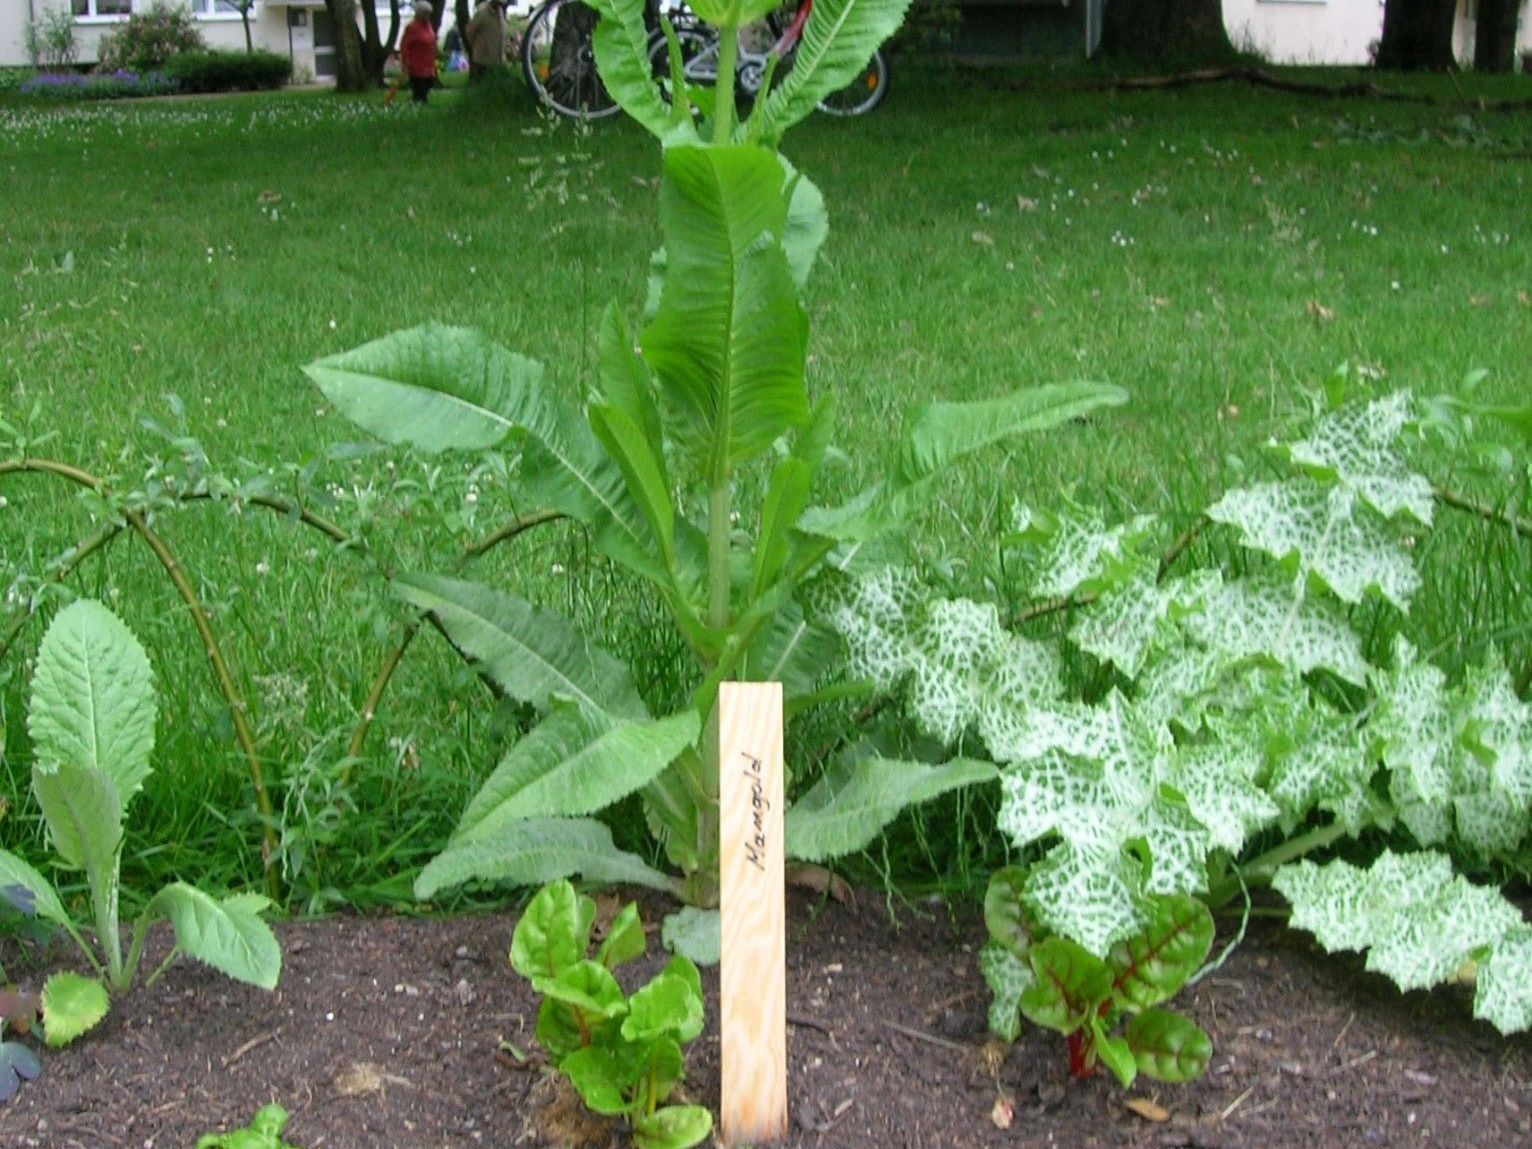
column 753, row 969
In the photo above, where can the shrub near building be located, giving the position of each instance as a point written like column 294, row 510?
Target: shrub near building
column 207, row 71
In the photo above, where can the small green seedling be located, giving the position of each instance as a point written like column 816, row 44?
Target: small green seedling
column 92, row 726
column 264, row 1132
column 621, row 1053
column 1059, row 984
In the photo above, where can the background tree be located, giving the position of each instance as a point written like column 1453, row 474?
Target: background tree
column 243, row 8
column 376, row 48
column 1417, row 35
column 1494, row 42
column 350, row 75
column 1165, row 31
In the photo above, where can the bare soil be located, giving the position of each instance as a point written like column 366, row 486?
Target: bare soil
column 386, row 1032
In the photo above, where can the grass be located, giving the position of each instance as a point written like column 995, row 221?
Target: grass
column 1216, row 250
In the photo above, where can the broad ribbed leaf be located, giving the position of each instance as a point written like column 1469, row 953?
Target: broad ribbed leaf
column 435, row 387
column 553, row 932
column 575, row 762
column 1069, row 984
column 1167, row 1046
column 728, row 342
column 838, row 40
column 533, row 852
column 808, row 223
column 533, row 654
column 622, row 58
column 450, row 388
column 93, row 698
column 84, row 816
column 228, row 935
column 941, row 433
column 673, row 1127
column 845, row 810
column 1153, row 965
column 1358, row 447
column 1504, row 993
column 787, row 494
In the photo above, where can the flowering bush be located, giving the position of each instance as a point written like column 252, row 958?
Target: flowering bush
column 150, row 38
column 118, row 85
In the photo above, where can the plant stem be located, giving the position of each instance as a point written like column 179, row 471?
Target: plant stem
column 1518, row 525
column 1261, row 870
column 728, row 60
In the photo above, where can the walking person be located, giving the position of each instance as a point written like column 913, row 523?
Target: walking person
column 417, row 52
column 485, row 37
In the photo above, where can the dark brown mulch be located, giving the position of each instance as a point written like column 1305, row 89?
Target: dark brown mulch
column 384, row 1033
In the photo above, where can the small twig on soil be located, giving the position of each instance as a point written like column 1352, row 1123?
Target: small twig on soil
column 920, row 1035
column 1235, row 1104
column 1354, row 1062
column 1343, row 1030
column 810, row 1023
column 254, row 1043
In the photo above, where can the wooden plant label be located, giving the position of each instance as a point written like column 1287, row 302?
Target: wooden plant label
column 753, row 967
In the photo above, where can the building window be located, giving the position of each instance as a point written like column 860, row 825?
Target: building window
column 215, row 8
column 86, row 9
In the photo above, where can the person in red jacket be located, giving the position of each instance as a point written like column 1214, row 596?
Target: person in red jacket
column 417, row 52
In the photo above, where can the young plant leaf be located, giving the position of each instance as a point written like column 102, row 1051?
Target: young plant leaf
column 846, row 809
column 625, row 940
column 72, row 1005
column 1005, row 911
column 1167, row 1046
column 1111, row 1051
column 227, row 935
column 669, row 1006
column 45, row 901
column 589, row 989
column 621, row 42
column 553, row 932
column 673, row 1127
column 1152, row 965
column 599, row 1075
column 92, row 703
column 694, row 934
column 1071, row 983
column 84, row 815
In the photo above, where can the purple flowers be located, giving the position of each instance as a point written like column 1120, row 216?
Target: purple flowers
column 117, row 85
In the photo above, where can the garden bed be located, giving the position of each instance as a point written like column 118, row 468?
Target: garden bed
column 386, row 1032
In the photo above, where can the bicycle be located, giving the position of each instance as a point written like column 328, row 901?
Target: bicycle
column 700, row 51
column 558, row 58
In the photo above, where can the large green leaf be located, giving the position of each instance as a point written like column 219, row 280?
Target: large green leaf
column 941, row 433
column 729, row 340
column 533, row 654
column 553, row 932
column 845, row 810
column 574, row 762
column 228, row 935
column 1069, row 984
column 93, row 697
column 1167, row 1046
column 540, row 850
column 436, row 387
column 1153, row 965
column 450, row 388
column 622, row 58
column 838, row 40
column 84, row 816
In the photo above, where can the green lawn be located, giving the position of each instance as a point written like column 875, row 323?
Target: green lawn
column 1217, row 251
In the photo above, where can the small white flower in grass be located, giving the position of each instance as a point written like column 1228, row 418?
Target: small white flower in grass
column 263, row 567
column 1394, row 285
column 332, row 325
column 558, row 568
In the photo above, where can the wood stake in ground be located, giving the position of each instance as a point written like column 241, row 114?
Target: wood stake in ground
column 753, row 970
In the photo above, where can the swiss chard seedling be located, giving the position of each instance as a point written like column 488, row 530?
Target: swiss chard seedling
column 622, row 1053
column 1059, row 984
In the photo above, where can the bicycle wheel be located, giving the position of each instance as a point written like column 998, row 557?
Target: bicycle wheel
column 558, row 57
column 863, row 94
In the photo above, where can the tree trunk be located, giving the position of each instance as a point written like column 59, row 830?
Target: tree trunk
column 1417, row 36
column 1494, row 37
column 1165, row 32
column 350, row 75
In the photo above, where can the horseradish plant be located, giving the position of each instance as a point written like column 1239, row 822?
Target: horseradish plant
column 623, row 1053
column 1232, row 707
column 91, row 721
column 710, row 402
